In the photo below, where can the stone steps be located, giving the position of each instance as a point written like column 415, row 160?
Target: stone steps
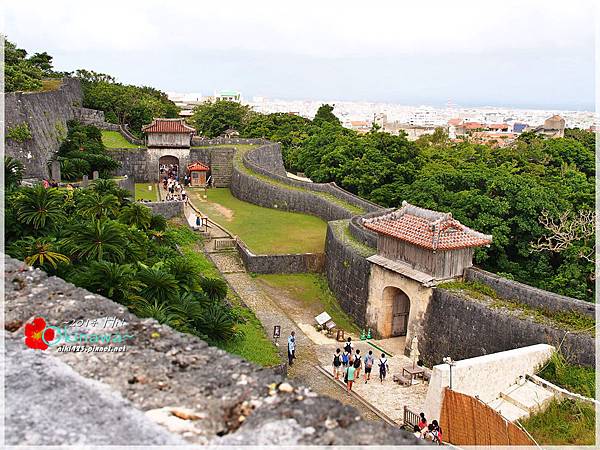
column 521, row 399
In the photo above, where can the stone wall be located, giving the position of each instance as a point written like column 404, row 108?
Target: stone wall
column 220, row 161
column 94, row 117
column 198, row 141
column 461, row 328
column 531, row 296
column 286, row 263
column 161, row 371
column 134, row 162
column 347, row 272
column 166, row 209
column 46, row 114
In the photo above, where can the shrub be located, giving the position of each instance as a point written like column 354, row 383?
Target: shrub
column 19, row 133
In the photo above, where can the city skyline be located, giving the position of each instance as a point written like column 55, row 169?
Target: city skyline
column 521, row 55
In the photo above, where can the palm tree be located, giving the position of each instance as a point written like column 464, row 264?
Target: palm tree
column 103, row 186
column 161, row 312
column 136, row 214
column 38, row 252
column 158, row 222
column 158, row 285
column 97, row 240
column 40, row 207
column 115, row 281
column 13, row 172
column 98, row 206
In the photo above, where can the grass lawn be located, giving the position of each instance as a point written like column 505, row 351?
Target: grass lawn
column 264, row 230
column 114, row 139
column 311, row 289
column 51, row 84
column 563, row 422
column 142, row 192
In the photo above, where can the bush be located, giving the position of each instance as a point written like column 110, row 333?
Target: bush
column 19, row 133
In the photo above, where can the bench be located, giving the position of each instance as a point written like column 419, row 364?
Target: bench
column 401, row 380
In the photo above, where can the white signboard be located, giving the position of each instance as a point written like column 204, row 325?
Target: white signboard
column 322, row 318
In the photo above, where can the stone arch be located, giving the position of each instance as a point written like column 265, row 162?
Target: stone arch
column 384, row 287
column 168, row 160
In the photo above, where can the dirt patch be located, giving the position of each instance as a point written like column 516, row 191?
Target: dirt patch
column 225, row 212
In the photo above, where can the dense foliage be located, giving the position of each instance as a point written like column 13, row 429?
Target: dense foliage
column 82, row 152
column 498, row 191
column 96, row 239
column 124, row 103
column 212, row 119
column 23, row 73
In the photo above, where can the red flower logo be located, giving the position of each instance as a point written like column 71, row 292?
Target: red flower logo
column 34, row 332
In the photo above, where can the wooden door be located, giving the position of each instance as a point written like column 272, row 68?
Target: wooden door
column 400, row 310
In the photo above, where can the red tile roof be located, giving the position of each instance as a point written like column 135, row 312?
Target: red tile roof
column 197, row 166
column 455, row 122
column 498, row 126
column 168, row 126
column 428, row 229
column 472, row 125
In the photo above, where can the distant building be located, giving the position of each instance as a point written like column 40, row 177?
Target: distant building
column 168, row 133
column 360, row 126
column 519, row 127
column 230, row 133
column 229, row 96
column 554, row 127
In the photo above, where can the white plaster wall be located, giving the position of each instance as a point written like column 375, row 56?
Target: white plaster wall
column 380, row 318
column 484, row 376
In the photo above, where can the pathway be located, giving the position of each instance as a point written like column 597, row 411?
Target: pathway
column 270, row 314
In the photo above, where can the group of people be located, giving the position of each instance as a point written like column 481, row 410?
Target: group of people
column 175, row 191
column 49, row 183
column 429, row 432
column 350, row 363
column 169, row 170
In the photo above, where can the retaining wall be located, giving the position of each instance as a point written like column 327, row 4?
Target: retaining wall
column 200, row 141
column 347, row 272
column 166, row 209
column 94, row 117
column 531, row 296
column 46, row 114
column 288, row 263
column 462, row 328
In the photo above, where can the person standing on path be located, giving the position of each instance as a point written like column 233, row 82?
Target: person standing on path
column 291, row 347
column 357, row 364
column 368, row 365
column 383, row 367
column 349, row 378
column 337, row 363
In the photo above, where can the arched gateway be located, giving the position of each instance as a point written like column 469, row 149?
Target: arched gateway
column 416, row 248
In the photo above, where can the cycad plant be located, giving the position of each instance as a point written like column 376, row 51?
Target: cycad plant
column 216, row 323
column 214, row 288
column 137, row 215
column 98, row 240
column 158, row 285
column 38, row 252
column 186, row 274
column 13, row 172
column 116, row 281
column 40, row 207
column 96, row 206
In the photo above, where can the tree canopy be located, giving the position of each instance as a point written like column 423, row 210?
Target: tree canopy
column 23, row 73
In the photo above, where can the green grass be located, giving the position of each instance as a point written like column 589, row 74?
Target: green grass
column 312, row 290
column 263, row 230
column 578, row 379
column 563, row 422
column 569, row 320
column 253, row 343
column 341, row 230
column 114, row 139
column 142, row 192
column 51, row 84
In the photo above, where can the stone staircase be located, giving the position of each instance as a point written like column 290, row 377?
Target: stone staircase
column 521, row 399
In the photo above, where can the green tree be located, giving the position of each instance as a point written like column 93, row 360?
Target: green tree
column 97, row 240
column 96, row 206
column 137, row 215
column 115, row 281
column 325, row 114
column 158, row 285
column 40, row 207
column 212, row 119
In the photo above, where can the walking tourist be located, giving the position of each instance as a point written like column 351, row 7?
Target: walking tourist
column 348, row 346
column 291, row 347
column 368, row 365
column 337, row 363
column 349, row 377
column 345, row 359
column 383, row 367
column 357, row 363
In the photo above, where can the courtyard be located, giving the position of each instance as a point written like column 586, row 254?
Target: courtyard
column 263, row 230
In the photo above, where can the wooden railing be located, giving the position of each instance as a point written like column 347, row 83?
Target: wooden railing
column 410, row 418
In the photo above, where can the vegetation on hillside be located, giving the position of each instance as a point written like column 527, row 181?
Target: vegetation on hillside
column 82, row 152
column 97, row 239
column 26, row 73
column 523, row 195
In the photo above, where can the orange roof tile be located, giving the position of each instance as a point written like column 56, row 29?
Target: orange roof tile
column 428, row 229
column 168, row 126
column 197, row 166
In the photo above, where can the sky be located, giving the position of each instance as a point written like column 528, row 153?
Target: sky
column 534, row 53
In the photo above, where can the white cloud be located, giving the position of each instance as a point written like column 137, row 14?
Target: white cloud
column 313, row 28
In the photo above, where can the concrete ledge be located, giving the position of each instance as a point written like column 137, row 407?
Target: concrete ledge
column 283, row 263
